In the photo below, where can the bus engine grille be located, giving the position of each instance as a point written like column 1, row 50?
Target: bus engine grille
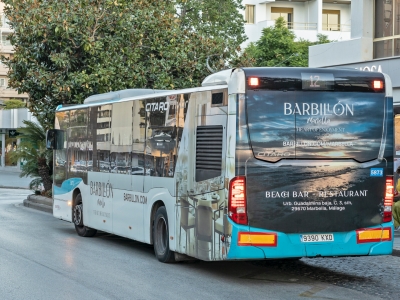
column 208, row 152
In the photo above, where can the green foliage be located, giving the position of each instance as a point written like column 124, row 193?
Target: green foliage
column 67, row 50
column 13, row 103
column 322, row 39
column 277, row 47
column 32, row 150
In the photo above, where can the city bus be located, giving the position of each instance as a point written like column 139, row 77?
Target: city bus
column 257, row 163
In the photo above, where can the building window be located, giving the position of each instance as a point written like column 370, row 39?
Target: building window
column 249, row 14
column 331, row 20
column 284, row 12
column 387, row 28
column 4, row 40
column 3, row 82
column 4, row 21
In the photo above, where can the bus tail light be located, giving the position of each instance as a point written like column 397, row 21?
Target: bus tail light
column 254, row 81
column 370, row 235
column 237, row 203
column 388, row 200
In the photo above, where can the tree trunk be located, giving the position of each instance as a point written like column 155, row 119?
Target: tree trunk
column 44, row 173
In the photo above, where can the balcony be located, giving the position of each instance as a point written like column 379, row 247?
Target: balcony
column 308, row 31
column 336, row 27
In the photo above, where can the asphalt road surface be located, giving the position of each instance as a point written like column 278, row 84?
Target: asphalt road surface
column 43, row 258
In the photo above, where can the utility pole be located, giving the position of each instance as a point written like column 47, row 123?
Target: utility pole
column 3, row 147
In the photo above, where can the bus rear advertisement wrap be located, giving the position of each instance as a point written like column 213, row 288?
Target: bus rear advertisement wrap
column 319, row 159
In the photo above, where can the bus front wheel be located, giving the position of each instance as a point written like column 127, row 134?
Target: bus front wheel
column 77, row 219
column 161, row 237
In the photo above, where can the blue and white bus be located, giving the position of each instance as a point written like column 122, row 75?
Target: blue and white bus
column 257, row 163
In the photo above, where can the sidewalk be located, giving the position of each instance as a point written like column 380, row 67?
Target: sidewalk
column 9, row 178
column 396, row 243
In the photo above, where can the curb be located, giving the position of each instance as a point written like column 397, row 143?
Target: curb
column 396, row 252
column 13, row 187
column 39, row 203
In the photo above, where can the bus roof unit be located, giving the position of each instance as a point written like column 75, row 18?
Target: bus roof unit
column 120, row 95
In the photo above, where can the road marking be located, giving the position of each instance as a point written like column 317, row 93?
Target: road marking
column 273, row 276
column 315, row 289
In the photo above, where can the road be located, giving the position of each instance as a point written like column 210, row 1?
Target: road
column 43, row 258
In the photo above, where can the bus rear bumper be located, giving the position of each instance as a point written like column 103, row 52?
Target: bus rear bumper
column 350, row 243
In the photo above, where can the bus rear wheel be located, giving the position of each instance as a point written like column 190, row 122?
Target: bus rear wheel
column 77, row 219
column 161, row 237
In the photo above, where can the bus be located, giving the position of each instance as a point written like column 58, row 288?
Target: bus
column 257, row 163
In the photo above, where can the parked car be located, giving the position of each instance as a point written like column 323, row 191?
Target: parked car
column 137, row 171
column 121, row 170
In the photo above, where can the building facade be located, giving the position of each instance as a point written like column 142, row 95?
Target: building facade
column 306, row 18
column 9, row 119
column 374, row 43
column 6, row 50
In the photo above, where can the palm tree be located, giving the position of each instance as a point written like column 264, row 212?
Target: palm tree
column 38, row 160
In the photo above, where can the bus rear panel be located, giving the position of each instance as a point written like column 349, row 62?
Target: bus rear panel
column 313, row 164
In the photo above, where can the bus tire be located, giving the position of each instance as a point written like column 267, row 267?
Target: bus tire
column 77, row 219
column 161, row 237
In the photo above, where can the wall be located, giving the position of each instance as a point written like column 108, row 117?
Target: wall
column 12, row 118
column 339, row 53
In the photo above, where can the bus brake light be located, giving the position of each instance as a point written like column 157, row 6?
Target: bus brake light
column 254, row 81
column 378, row 84
column 388, row 200
column 237, row 203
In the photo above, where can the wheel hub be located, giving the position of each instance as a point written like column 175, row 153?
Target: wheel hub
column 78, row 215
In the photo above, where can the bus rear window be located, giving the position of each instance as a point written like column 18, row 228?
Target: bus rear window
column 315, row 124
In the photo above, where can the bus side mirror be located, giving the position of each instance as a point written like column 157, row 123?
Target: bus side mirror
column 54, row 139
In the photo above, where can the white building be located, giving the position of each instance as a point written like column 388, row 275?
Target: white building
column 10, row 120
column 374, row 43
column 6, row 50
column 306, row 18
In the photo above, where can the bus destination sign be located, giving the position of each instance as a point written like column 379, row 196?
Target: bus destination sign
column 317, row 81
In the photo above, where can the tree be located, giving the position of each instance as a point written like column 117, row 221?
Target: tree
column 67, row 50
column 37, row 159
column 278, row 47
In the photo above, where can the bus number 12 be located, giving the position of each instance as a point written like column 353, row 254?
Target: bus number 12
column 313, row 81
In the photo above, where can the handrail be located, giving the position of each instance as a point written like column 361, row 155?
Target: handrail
column 312, row 26
column 301, row 26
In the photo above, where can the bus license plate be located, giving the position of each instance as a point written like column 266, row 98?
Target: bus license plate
column 323, row 237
